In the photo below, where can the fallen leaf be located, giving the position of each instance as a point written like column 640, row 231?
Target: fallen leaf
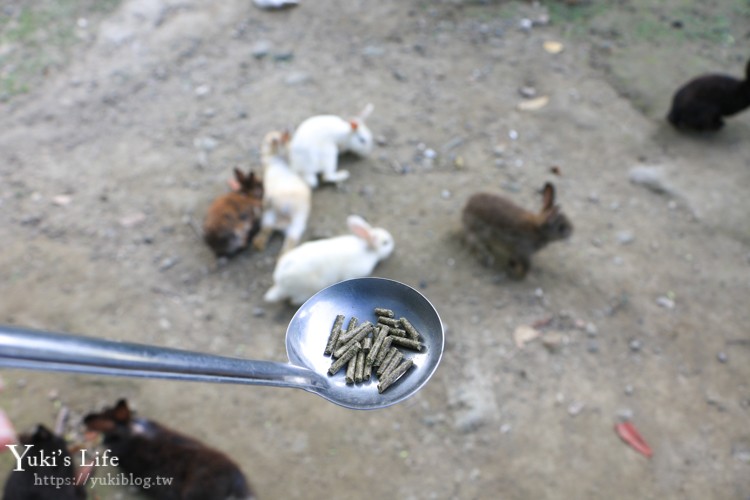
column 553, row 47
column 533, row 104
column 524, row 334
column 631, row 436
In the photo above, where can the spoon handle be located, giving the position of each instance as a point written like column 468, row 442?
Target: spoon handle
column 39, row 350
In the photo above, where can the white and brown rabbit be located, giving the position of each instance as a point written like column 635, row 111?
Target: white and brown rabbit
column 233, row 219
column 702, row 103
column 314, row 265
column 506, row 234
column 286, row 197
column 320, row 139
column 147, row 450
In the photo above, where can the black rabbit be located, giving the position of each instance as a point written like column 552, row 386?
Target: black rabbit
column 149, row 450
column 51, row 479
column 701, row 103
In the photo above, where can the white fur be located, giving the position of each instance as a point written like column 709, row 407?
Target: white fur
column 286, row 198
column 320, row 139
column 312, row 266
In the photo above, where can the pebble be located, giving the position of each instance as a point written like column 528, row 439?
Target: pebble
column 624, row 414
column 575, row 408
column 261, row 49
column 635, row 345
column 297, row 78
column 259, row 312
column 628, row 390
column 592, row 346
column 202, row 90
column 445, row 194
column 625, row 237
column 722, row 357
column 505, row 428
column 651, row 178
column 527, row 91
column 513, row 135
column 665, row 302
column 591, row 330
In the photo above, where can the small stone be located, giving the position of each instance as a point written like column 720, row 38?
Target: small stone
column 430, row 154
column 665, row 302
column 513, row 135
column 625, row 237
column 628, row 390
column 202, row 90
column 722, row 357
column 591, row 330
column 297, row 78
column 575, row 408
column 505, row 428
column 624, row 414
column 259, row 312
column 635, row 345
column 53, row 395
column 538, row 293
column 261, row 49
column 283, row 56
column 445, row 194
column 592, row 346
column 527, row 91
column 164, row 324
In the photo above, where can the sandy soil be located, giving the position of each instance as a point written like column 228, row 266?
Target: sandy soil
column 108, row 165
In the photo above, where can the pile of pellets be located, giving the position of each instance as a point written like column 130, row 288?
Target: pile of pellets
column 365, row 348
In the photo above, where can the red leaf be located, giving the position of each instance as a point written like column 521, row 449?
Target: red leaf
column 630, row 435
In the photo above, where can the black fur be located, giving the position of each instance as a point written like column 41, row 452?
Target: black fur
column 148, row 449
column 702, row 103
column 28, row 484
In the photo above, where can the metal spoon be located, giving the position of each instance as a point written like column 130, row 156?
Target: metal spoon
column 306, row 338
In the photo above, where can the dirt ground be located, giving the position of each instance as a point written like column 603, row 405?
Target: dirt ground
column 109, row 161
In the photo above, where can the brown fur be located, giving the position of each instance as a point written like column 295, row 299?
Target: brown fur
column 233, row 219
column 505, row 233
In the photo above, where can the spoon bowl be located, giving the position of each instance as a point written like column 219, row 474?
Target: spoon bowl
column 306, row 338
column 308, row 332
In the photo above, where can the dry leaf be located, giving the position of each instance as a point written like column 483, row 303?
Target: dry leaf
column 524, row 334
column 533, row 104
column 553, row 47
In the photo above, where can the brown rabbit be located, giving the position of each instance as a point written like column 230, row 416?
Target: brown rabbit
column 503, row 232
column 233, row 219
column 53, row 479
column 147, row 450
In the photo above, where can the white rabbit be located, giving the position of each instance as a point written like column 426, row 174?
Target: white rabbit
column 314, row 265
column 319, row 140
column 286, row 197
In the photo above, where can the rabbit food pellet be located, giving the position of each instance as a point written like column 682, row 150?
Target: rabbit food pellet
column 366, row 346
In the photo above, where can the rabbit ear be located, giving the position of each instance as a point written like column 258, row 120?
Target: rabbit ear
column 239, row 175
column 354, row 125
column 121, row 412
column 285, row 136
column 548, row 197
column 366, row 111
column 42, row 433
column 360, row 228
